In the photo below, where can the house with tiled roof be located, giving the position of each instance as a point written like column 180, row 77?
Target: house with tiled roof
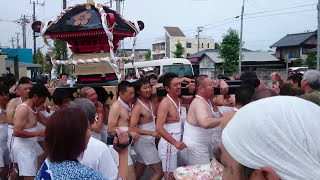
column 295, row 46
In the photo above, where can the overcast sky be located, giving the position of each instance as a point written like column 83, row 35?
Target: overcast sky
column 260, row 30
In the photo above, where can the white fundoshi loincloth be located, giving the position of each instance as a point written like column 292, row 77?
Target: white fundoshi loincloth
column 145, row 146
column 4, row 151
column 198, row 141
column 25, row 153
column 10, row 141
column 167, row 152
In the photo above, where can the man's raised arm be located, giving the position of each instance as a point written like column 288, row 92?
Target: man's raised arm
column 204, row 120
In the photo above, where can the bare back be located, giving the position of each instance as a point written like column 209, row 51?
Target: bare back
column 11, row 108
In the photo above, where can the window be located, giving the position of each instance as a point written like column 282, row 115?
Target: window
column 208, row 45
column 140, row 57
column 201, row 45
column 305, row 50
column 188, row 45
column 181, row 70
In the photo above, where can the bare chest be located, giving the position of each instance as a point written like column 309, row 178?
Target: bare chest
column 31, row 120
column 124, row 117
column 173, row 114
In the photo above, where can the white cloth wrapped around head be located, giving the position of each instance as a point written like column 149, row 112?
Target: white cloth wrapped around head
column 281, row 132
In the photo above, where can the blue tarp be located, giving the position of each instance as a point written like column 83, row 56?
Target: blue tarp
column 24, row 55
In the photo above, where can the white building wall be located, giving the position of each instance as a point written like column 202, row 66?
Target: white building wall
column 184, row 41
column 194, row 45
column 206, row 67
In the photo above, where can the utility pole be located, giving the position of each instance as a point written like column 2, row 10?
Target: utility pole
column 18, row 39
column 64, row 44
column 34, row 34
column 199, row 30
column 318, row 37
column 118, row 9
column 111, row 3
column 23, row 22
column 241, row 44
column 12, row 42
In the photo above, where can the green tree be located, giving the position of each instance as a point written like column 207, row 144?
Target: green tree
column 47, row 64
column 229, row 51
column 57, row 52
column 40, row 59
column 148, row 55
column 179, row 50
column 297, row 63
column 311, row 60
column 216, row 45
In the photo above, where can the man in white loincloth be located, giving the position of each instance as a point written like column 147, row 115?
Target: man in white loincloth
column 168, row 124
column 143, row 122
column 119, row 116
column 4, row 151
column 25, row 147
column 99, row 129
column 24, row 86
column 198, row 127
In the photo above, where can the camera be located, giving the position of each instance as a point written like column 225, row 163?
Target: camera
column 111, row 138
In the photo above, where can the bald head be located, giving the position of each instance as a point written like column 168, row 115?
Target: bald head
column 200, row 81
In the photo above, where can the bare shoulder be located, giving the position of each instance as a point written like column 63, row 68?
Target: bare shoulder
column 197, row 103
column 22, row 110
column 13, row 103
column 137, row 106
column 115, row 105
column 164, row 102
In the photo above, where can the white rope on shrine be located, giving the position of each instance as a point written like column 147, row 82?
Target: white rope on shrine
column 109, row 34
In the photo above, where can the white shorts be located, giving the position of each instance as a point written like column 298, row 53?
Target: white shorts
column 4, row 151
column 168, row 155
column 4, row 156
column 10, row 134
column 197, row 154
column 26, row 152
column 39, row 128
column 146, row 150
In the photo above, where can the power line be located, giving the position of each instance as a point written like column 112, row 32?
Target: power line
column 295, row 12
column 294, row 7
